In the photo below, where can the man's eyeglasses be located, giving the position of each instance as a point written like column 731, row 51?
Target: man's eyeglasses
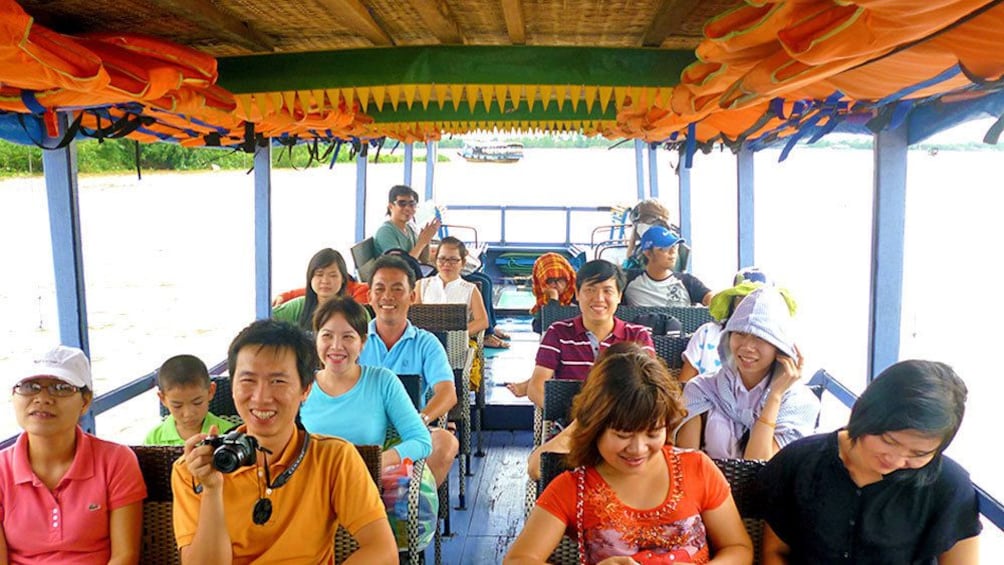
column 406, row 203
column 32, row 388
column 448, row 260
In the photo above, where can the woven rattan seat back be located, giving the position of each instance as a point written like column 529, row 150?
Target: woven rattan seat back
column 552, row 312
column 413, row 386
column 691, row 317
column 158, row 542
column 670, row 349
column 222, row 403
column 364, row 254
column 558, row 395
column 438, row 317
column 345, row 544
column 741, row 474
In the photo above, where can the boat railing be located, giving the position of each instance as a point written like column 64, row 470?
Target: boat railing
column 504, row 216
column 989, row 506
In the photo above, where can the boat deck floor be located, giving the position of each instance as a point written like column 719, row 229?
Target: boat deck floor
column 493, row 517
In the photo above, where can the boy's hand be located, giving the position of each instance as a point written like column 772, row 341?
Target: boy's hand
column 199, row 459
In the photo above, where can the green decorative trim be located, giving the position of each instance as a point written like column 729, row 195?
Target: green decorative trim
column 453, row 65
column 512, row 114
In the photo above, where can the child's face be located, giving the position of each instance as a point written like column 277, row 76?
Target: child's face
column 188, row 404
column 630, row 452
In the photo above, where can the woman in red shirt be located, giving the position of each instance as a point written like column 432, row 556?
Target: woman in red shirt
column 631, row 493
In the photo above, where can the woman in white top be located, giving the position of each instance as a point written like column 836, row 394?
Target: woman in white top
column 448, row 288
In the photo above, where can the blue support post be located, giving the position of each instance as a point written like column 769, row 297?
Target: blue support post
column 361, row 194
column 62, row 193
column 653, row 172
column 745, row 188
column 263, row 231
column 409, row 161
column 639, row 165
column 431, row 154
column 888, row 221
column 60, row 167
column 683, row 173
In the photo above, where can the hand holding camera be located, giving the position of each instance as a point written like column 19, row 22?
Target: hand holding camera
column 209, row 456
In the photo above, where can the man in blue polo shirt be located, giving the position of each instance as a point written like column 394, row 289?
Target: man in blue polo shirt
column 569, row 347
column 394, row 343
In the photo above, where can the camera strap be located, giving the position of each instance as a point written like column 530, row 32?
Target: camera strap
column 262, row 511
column 284, row 477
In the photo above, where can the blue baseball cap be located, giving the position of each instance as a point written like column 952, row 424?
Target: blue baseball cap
column 658, row 236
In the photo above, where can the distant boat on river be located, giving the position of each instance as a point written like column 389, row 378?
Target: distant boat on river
column 492, row 151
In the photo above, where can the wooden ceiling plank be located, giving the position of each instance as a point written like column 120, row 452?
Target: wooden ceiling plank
column 357, row 17
column 514, row 23
column 218, row 23
column 436, row 15
column 667, row 21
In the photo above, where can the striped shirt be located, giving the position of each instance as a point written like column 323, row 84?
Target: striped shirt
column 567, row 350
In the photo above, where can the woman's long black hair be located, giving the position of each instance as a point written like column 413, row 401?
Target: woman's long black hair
column 321, row 260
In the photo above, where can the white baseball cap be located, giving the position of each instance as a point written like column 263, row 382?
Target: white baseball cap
column 67, row 364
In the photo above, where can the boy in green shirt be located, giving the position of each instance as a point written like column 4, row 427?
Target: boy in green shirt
column 185, row 390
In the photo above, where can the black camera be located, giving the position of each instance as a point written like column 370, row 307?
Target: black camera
column 232, row 451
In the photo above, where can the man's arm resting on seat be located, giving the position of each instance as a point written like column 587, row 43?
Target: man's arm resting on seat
column 444, row 398
column 535, row 390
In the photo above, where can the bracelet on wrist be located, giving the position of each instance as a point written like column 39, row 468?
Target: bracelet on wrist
column 766, row 423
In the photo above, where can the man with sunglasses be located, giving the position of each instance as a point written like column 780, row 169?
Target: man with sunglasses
column 286, row 504
column 400, row 231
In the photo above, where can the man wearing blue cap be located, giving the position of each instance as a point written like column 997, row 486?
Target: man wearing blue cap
column 660, row 285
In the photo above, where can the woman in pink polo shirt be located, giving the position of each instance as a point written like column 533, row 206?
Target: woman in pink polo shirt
column 66, row 496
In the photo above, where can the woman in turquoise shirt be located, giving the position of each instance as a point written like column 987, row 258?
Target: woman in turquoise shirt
column 354, row 402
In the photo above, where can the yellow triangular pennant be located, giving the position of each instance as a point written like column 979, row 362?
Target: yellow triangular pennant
column 425, row 94
column 409, row 94
column 394, row 92
column 379, row 94
column 620, row 95
column 561, row 92
column 590, row 95
column 500, row 96
column 545, row 95
column 289, row 101
column 441, row 90
column 530, row 92
column 456, row 95
column 605, row 93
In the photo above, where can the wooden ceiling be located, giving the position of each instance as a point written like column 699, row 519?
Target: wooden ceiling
column 226, row 28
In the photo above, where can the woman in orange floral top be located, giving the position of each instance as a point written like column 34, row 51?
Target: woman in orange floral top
column 632, row 497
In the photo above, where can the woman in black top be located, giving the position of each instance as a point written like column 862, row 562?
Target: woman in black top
column 879, row 490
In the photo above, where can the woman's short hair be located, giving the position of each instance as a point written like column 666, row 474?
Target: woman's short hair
column 627, row 390
column 321, row 260
column 454, row 242
column 353, row 312
column 925, row 396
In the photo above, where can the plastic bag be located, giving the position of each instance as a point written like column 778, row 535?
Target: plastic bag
column 395, row 480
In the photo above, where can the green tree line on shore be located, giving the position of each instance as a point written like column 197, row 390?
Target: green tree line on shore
column 120, row 155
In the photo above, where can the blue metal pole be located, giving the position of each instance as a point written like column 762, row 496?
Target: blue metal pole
column 744, row 214
column 653, row 172
column 431, row 154
column 639, row 165
column 361, row 194
column 888, row 221
column 409, row 160
column 685, row 211
column 62, row 193
column 263, row 231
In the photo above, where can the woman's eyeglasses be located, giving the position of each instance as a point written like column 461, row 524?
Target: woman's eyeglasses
column 406, row 203
column 555, row 280
column 32, row 388
column 448, row 260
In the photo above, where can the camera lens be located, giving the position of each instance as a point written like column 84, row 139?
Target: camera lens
column 226, row 459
